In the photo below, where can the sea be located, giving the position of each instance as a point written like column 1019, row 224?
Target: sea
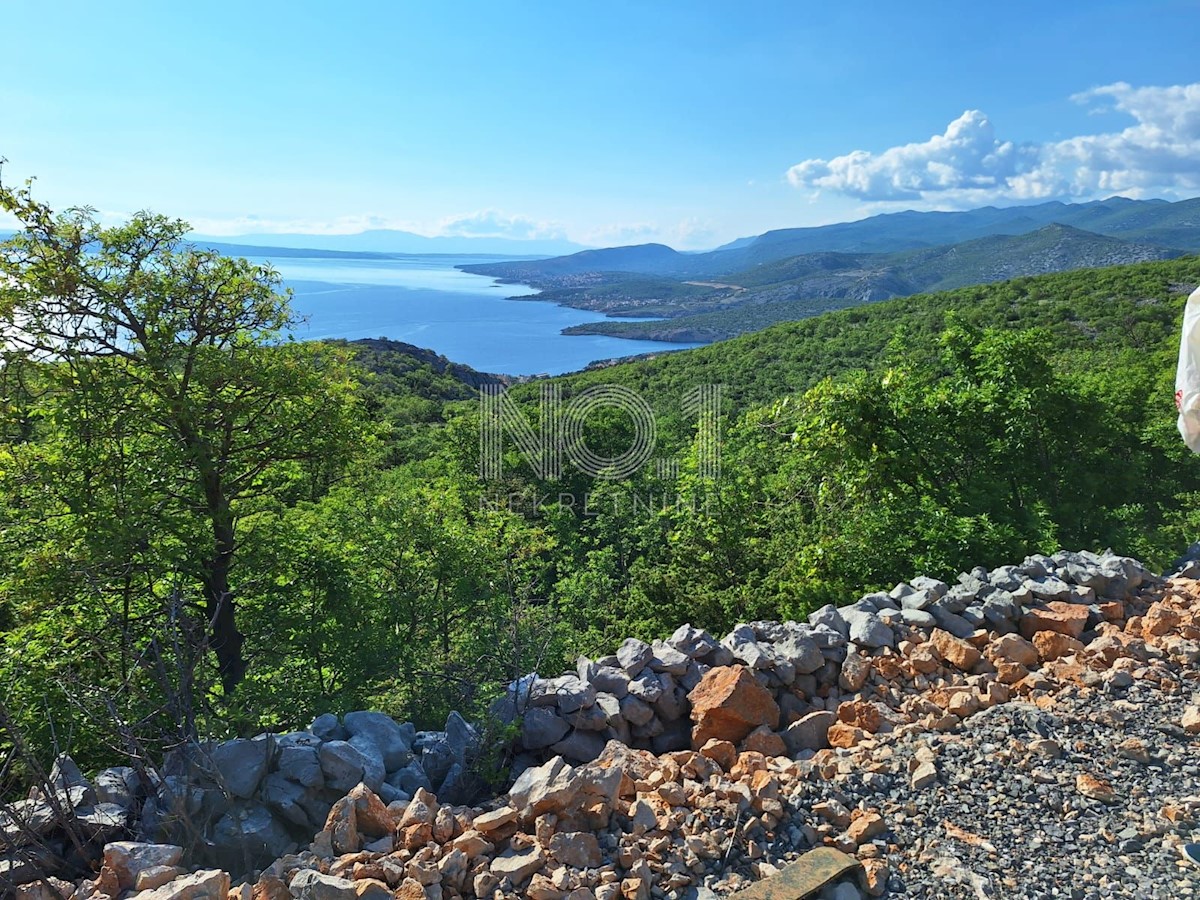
column 425, row 300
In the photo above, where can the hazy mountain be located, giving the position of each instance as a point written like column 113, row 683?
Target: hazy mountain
column 1175, row 225
column 258, row 250
column 390, row 241
column 1160, row 223
column 814, row 283
column 645, row 259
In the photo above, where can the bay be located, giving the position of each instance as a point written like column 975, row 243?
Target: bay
column 468, row 318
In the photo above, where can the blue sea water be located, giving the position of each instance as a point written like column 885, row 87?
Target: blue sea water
column 468, row 318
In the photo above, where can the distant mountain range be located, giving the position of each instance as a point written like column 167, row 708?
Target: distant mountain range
column 1160, row 222
column 815, row 283
column 789, row 273
column 378, row 244
column 1173, row 226
column 404, row 242
column 794, row 273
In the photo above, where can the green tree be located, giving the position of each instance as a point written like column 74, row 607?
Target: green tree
column 155, row 401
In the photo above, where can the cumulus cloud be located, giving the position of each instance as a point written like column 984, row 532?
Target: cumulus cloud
column 687, row 234
column 969, row 164
column 239, row 225
column 496, row 224
column 484, row 223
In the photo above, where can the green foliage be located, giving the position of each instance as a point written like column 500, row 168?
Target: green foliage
column 150, row 413
column 156, row 433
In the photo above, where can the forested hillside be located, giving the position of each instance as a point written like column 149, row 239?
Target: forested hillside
column 203, row 523
column 711, row 297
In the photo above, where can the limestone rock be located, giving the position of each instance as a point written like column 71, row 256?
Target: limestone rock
column 728, row 704
column 855, row 669
column 207, row 884
column 309, row 884
column 633, row 655
column 810, row 732
column 870, row 631
column 580, row 746
column 393, row 740
column 801, row 651
column 693, row 642
column 542, row 726
column 302, row 765
column 327, row 727
column 518, row 865
column 578, row 849
column 1064, row 618
column 342, row 765
column 955, row 651
column 242, row 764
column 128, row 858
column 550, row 787
column 248, row 833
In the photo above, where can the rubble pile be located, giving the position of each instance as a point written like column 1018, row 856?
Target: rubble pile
column 1028, row 732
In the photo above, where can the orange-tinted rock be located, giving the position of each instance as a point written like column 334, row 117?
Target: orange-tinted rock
column 342, row 826
column 888, row 667
column 1012, row 648
column 962, row 704
column 1095, row 788
column 955, row 651
column 844, row 736
column 269, row 887
column 924, row 660
column 748, row 761
column 1008, row 672
column 875, row 875
column 374, row 819
column 1159, row 620
column 865, row 827
column 723, row 753
column 728, row 704
column 765, row 741
column 415, row 836
column 634, row 765
column 1064, row 618
column 859, row 714
column 1052, row 645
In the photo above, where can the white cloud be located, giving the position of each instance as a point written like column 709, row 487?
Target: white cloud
column 496, row 224
column 686, row 234
column 268, row 225
column 484, row 223
column 968, row 164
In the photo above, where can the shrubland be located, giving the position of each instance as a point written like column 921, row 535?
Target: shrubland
column 209, row 527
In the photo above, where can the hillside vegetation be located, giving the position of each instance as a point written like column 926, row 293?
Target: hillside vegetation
column 209, row 530
column 795, row 273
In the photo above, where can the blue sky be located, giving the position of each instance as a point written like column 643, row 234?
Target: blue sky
column 691, row 123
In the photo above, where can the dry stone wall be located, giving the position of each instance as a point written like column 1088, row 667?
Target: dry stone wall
column 775, row 686
column 614, row 740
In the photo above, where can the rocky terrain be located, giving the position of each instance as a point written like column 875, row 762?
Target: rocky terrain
column 1028, row 732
